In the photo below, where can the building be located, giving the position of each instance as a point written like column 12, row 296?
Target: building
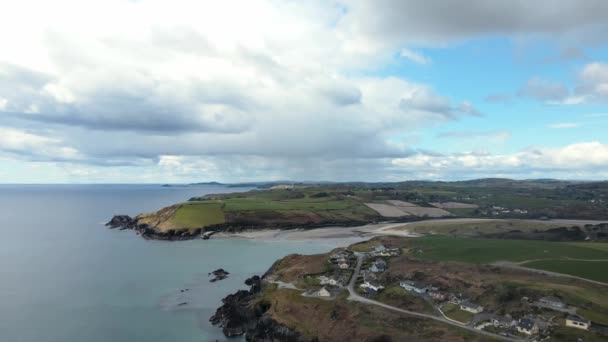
column 527, row 326
column 414, row 286
column 372, row 285
column 471, row 307
column 578, row 322
column 438, row 295
column 343, row 265
column 378, row 266
column 553, row 302
column 502, row 321
column 323, row 292
column 325, row 280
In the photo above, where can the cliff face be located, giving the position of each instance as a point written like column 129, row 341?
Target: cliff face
column 244, row 313
column 150, row 232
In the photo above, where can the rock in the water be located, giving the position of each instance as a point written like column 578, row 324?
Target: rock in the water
column 219, row 274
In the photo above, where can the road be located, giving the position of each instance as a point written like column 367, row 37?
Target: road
column 354, row 296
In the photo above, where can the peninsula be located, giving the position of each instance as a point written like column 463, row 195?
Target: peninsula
column 288, row 206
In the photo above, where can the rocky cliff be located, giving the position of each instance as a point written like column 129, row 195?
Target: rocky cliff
column 245, row 313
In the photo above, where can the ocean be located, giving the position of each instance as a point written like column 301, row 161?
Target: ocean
column 64, row 277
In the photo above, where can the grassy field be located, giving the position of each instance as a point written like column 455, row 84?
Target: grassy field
column 595, row 316
column 492, row 250
column 594, row 270
column 198, row 215
column 569, row 334
column 254, row 203
column 476, row 227
column 364, row 246
column 453, row 311
column 602, row 246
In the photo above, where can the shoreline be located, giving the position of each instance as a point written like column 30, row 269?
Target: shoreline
column 369, row 230
column 363, row 232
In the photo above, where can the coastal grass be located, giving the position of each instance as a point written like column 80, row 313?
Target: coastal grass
column 473, row 250
column 594, row 270
column 198, row 215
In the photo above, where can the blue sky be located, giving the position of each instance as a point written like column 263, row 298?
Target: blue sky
column 385, row 90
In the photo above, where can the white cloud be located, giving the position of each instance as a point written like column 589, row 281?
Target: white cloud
column 265, row 87
column 565, row 125
column 415, row 57
column 34, row 146
column 593, row 82
column 575, row 157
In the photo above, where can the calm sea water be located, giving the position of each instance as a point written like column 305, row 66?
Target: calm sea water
column 65, row 277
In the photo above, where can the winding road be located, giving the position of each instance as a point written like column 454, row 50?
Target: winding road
column 354, row 296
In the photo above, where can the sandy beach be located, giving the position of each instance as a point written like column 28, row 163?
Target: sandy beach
column 362, row 232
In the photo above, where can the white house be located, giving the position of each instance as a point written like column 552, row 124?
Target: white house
column 325, row 280
column 413, row 286
column 371, row 285
column 577, row 322
column 323, row 292
column 343, row 265
column 471, row 307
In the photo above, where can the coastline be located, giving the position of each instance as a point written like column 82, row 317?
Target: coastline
column 364, row 232
column 367, row 231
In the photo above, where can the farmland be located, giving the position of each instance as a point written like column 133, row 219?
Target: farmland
column 493, row 250
column 594, row 270
column 554, row 256
column 457, row 228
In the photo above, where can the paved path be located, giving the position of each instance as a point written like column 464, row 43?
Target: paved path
column 354, row 296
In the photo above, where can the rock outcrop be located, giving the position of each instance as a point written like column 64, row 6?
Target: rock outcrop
column 245, row 313
column 219, row 274
column 148, row 232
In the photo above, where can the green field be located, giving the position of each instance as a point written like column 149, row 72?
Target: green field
column 255, row 203
column 595, row 270
column 453, row 311
column 602, row 246
column 476, row 227
column 198, row 215
column 474, row 250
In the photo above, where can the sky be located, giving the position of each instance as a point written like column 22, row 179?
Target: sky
column 151, row 91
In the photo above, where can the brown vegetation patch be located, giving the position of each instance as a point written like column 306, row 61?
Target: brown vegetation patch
column 295, row 266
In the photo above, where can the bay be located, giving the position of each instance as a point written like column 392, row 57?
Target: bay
column 65, row 277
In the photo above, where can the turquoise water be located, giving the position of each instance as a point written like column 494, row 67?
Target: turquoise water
column 64, row 277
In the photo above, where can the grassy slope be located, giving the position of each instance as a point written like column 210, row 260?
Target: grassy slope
column 198, row 215
column 262, row 207
column 356, row 322
column 590, row 270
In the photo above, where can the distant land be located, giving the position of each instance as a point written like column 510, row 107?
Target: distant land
column 478, row 260
column 284, row 205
